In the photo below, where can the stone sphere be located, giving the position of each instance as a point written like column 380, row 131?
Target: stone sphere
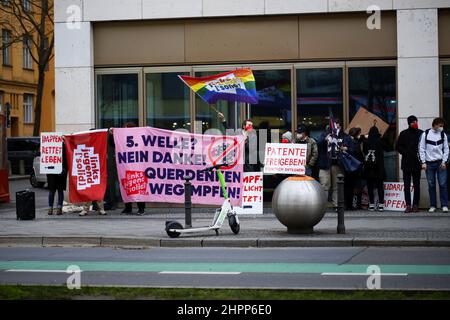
column 299, row 203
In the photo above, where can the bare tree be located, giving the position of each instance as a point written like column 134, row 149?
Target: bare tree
column 31, row 22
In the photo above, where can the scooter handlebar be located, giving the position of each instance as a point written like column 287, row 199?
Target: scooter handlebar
column 217, row 166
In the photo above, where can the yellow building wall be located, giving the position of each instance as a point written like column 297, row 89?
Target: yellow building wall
column 15, row 81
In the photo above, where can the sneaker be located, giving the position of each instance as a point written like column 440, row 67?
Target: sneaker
column 82, row 213
column 50, row 211
column 432, row 210
column 371, row 207
column 101, row 212
column 415, row 208
column 127, row 211
column 59, row 211
column 380, row 208
column 140, row 212
column 408, row 209
column 445, row 209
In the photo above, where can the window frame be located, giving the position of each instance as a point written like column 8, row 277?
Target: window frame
column 112, row 71
column 171, row 69
column 28, row 109
column 7, row 49
column 27, row 60
column 442, row 63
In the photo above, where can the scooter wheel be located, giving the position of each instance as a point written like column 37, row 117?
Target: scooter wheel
column 173, row 225
column 234, row 225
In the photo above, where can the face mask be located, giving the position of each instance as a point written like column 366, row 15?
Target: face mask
column 440, row 129
column 415, row 125
column 248, row 127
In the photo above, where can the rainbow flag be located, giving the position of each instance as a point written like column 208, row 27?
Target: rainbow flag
column 237, row 85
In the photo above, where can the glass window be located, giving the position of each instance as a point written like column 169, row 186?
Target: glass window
column 273, row 111
column 26, row 5
column 167, row 101
column 206, row 116
column 375, row 89
column 27, row 62
column 446, row 95
column 319, row 94
column 27, row 108
column 272, row 116
column 6, row 36
column 117, row 99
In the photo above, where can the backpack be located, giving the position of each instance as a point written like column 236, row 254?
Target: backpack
column 435, row 143
column 370, row 157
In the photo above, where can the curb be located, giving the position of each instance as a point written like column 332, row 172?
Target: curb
column 15, row 178
column 141, row 242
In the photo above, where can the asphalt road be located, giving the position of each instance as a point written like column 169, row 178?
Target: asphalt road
column 286, row 268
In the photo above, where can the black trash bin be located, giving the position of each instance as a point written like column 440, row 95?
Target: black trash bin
column 25, row 205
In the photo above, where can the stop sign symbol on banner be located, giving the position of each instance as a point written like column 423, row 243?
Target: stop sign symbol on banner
column 224, row 150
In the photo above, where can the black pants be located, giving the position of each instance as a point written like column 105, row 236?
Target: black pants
column 407, row 183
column 129, row 206
column 371, row 185
column 352, row 187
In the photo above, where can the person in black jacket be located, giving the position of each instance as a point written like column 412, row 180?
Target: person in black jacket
column 374, row 167
column 57, row 183
column 408, row 146
column 353, row 183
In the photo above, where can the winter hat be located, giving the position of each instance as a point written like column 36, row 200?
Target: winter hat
column 411, row 119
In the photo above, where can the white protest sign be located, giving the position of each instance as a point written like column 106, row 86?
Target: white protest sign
column 51, row 153
column 252, row 196
column 285, row 158
column 394, row 196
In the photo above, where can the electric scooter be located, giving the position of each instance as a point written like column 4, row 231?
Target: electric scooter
column 174, row 228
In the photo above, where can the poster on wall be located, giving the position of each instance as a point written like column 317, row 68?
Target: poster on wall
column 51, row 161
column 394, row 196
column 252, row 196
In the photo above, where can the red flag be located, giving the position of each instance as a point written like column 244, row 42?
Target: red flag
column 86, row 159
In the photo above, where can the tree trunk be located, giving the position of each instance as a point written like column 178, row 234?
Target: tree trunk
column 38, row 110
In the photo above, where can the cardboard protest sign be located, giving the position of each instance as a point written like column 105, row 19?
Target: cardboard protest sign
column 394, row 196
column 86, row 159
column 285, row 158
column 51, row 160
column 365, row 120
column 252, row 196
column 152, row 164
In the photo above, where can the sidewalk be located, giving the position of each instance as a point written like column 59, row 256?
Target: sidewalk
column 115, row 229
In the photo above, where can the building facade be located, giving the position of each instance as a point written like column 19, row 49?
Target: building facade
column 18, row 87
column 117, row 61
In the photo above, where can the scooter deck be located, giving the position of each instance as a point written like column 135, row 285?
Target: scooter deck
column 192, row 230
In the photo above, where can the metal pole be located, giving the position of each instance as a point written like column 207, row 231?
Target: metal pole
column 187, row 202
column 341, row 202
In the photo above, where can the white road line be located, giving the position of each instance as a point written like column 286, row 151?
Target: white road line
column 37, row 271
column 198, row 272
column 362, row 274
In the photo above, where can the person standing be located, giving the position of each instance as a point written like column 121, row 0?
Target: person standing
column 330, row 143
column 408, row 146
column 433, row 151
column 373, row 170
column 353, row 183
column 57, row 183
column 312, row 153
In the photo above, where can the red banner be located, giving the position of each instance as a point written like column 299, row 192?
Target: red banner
column 86, row 159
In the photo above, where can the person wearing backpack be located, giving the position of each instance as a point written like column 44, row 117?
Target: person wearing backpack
column 408, row 146
column 373, row 170
column 433, row 151
column 353, row 183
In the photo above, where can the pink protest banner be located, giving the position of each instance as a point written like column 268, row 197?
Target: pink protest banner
column 152, row 163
